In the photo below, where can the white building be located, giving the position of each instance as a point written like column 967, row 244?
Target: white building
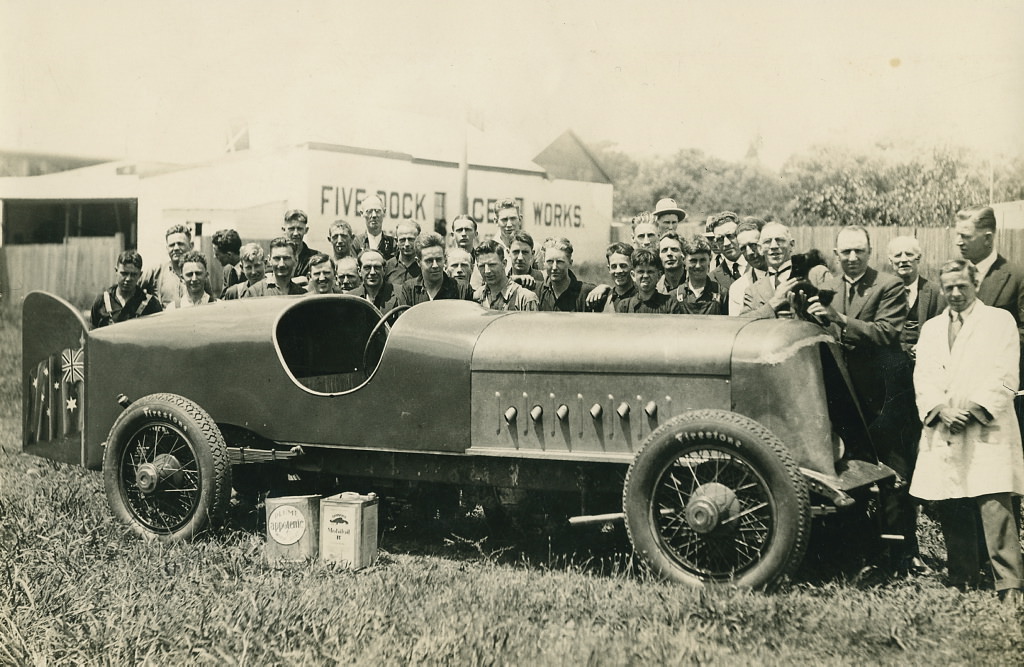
column 562, row 190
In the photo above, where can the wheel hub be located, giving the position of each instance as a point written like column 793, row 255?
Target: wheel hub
column 709, row 506
column 149, row 476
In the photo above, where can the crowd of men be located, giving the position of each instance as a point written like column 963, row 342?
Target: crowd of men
column 935, row 364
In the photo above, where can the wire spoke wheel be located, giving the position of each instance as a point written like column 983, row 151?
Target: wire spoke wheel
column 165, row 468
column 713, row 513
column 714, row 498
column 160, row 478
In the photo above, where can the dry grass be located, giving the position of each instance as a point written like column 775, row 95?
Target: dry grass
column 76, row 588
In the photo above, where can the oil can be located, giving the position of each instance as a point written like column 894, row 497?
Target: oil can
column 292, row 528
column 348, row 529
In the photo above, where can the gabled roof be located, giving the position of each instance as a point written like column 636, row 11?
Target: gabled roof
column 569, row 158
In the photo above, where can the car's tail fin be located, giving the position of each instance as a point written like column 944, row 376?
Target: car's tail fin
column 54, row 335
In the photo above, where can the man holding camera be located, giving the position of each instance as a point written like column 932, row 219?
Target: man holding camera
column 866, row 317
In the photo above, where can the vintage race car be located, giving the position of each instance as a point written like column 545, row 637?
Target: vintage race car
column 715, row 438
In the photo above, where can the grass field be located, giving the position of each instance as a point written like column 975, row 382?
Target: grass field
column 76, row 588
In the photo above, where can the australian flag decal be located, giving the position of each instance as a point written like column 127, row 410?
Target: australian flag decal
column 55, row 410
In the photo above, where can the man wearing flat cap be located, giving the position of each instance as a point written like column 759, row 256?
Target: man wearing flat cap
column 668, row 215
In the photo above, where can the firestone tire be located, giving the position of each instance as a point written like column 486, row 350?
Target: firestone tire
column 166, row 471
column 714, row 499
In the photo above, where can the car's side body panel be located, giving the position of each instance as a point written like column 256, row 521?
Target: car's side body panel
column 417, row 399
column 452, row 378
column 558, row 385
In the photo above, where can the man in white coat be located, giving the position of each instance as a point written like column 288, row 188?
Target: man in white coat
column 970, row 457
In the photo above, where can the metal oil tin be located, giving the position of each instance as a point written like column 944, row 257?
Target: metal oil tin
column 348, row 529
column 292, row 528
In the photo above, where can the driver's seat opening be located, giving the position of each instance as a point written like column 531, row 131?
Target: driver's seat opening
column 322, row 341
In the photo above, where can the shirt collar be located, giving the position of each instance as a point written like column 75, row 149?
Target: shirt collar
column 912, row 291
column 782, row 269
column 965, row 313
column 985, row 265
column 854, row 281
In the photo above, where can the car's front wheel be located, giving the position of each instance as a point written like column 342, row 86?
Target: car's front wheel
column 165, row 469
column 714, row 498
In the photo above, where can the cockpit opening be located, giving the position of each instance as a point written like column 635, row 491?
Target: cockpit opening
column 322, row 342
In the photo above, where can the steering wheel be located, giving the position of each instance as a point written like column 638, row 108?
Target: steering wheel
column 385, row 320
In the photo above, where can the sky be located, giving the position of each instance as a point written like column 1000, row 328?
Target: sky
column 162, row 80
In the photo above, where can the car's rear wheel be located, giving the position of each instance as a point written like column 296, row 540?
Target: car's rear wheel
column 714, row 498
column 165, row 469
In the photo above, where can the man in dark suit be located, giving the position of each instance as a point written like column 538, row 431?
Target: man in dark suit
column 924, row 298
column 1002, row 283
column 866, row 317
column 732, row 263
column 375, row 238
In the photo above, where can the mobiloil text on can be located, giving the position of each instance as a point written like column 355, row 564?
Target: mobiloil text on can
column 348, row 529
column 292, row 528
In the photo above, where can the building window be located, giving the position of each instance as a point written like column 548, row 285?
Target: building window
column 440, row 220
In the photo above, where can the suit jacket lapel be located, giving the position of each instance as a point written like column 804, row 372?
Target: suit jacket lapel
column 993, row 283
column 920, row 307
column 860, row 290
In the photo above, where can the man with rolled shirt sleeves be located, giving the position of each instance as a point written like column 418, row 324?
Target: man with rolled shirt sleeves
column 562, row 290
column 866, row 318
column 433, row 283
column 404, row 266
column 375, row 238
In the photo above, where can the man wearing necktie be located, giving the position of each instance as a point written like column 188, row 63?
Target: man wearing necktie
column 970, row 463
column 867, row 318
column 1001, row 283
column 924, row 298
column 732, row 264
column 769, row 297
column 748, row 234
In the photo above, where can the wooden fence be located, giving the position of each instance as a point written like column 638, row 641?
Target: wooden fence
column 77, row 270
